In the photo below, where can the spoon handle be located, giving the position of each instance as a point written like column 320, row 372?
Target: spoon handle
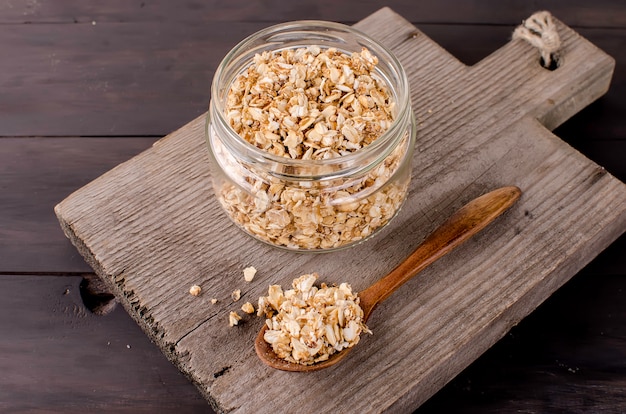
column 467, row 221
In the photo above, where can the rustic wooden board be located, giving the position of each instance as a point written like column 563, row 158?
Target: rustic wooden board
column 151, row 228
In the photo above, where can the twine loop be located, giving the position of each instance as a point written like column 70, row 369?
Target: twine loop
column 540, row 31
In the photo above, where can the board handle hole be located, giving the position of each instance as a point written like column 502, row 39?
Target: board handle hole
column 96, row 297
column 554, row 64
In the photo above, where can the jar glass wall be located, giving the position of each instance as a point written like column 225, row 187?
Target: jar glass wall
column 305, row 199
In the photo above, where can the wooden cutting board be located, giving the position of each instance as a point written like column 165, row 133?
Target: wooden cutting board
column 151, row 228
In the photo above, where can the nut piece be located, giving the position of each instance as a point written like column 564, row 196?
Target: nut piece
column 233, row 318
column 236, row 295
column 249, row 273
column 248, row 308
column 308, row 324
column 213, row 301
column 195, row 290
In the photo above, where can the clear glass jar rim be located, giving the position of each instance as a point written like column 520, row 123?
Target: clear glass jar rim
column 379, row 149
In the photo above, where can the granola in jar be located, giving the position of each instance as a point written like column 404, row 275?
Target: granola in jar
column 313, row 144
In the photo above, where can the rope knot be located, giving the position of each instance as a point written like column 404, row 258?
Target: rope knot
column 540, row 31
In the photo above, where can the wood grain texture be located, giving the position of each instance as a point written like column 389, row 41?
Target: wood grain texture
column 51, row 347
column 561, row 358
column 110, row 79
column 603, row 13
column 35, row 174
column 151, row 228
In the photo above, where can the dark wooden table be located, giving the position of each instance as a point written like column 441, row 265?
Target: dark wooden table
column 85, row 85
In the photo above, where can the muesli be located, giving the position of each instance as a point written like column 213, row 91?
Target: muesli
column 312, row 104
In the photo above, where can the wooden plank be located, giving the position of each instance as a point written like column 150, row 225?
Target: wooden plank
column 148, row 78
column 561, row 358
column 35, row 174
column 560, row 350
column 476, row 131
column 603, row 13
column 109, row 79
column 51, row 348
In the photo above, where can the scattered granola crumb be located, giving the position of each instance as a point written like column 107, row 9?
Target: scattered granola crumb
column 195, row 290
column 213, row 301
column 233, row 318
column 248, row 308
column 249, row 273
column 236, row 295
column 308, row 324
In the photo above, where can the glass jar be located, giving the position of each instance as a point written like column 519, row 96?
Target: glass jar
column 311, row 204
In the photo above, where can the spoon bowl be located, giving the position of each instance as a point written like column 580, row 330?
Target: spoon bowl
column 466, row 222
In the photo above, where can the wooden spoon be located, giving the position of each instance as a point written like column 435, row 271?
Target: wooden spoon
column 463, row 224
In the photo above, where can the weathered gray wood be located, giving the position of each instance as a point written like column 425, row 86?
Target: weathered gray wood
column 151, row 228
